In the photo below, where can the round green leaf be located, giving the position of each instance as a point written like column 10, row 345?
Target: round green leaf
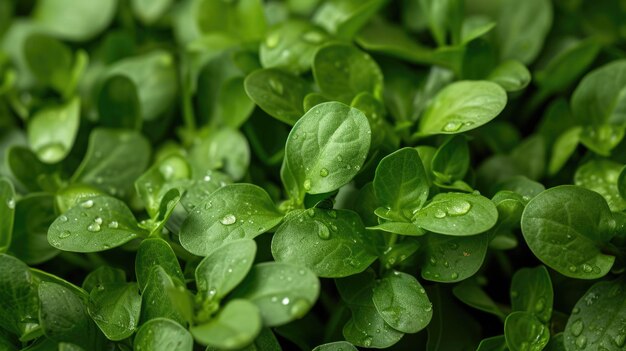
column 450, row 259
column 235, row 326
column 162, row 334
column 332, row 243
column 599, row 95
column 73, row 21
column 510, row 75
column 7, row 213
column 118, row 103
column 18, row 297
column 524, row 332
column 115, row 309
column 33, row 215
column 235, row 211
column 103, row 275
column 52, row 131
column 601, row 176
column 462, row 106
column 156, row 300
column 565, row 227
column 336, row 346
column 531, row 291
column 156, row 252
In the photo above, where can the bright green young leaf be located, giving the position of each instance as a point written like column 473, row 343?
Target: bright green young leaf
column 523, row 331
column 400, row 184
column 222, row 270
column 279, row 93
column 235, row 326
column 18, row 297
column 563, row 148
column 531, row 291
column 494, row 343
column 601, row 176
column 402, row 302
column 236, row 211
column 344, row 18
column 402, row 228
column 233, row 106
column 225, row 149
column 511, row 75
column 462, row 106
column 452, row 259
column 156, row 252
column 75, row 21
column 97, row 224
column 325, row 149
column 566, row 227
column 170, row 172
column 452, row 160
column 52, row 131
column 596, row 321
column 162, row 334
column 114, row 160
column 243, row 20
column 522, row 28
column 332, row 243
column 115, row 308
column 603, row 138
column 150, row 11
column 342, row 71
column 282, row 292
column 444, row 18
column 457, row 214
column 7, row 213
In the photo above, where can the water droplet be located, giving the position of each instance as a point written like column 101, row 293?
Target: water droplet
column 428, row 308
column 87, row 204
column 285, row 301
column 323, row 172
column 64, row 234
column 433, row 261
column 540, row 304
column 367, row 341
column 228, row 219
column 452, row 126
column 307, row 184
column 310, row 212
column 572, row 268
column 313, row 37
column 454, row 275
column 587, row 268
column 98, row 220
column 581, row 341
column 339, row 158
column 94, row 227
column 440, row 214
column 299, row 308
column 577, row 327
column 272, row 40
column 459, row 208
column 576, row 310
column 63, row 219
column 276, row 86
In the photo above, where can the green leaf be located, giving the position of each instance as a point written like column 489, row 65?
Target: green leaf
column 156, row 252
column 103, row 275
column 403, row 228
column 63, row 317
column 621, row 183
column 450, row 334
column 563, row 148
column 444, row 19
column 33, row 174
column 34, row 214
column 235, row 326
column 511, row 75
column 75, row 22
column 452, row 160
column 494, row 343
column 18, row 297
column 597, row 319
column 344, row 18
column 97, row 224
column 402, row 302
column 400, row 184
column 162, row 334
column 522, row 28
column 325, row 149
column 279, row 93
column 155, row 297
column 292, row 45
column 531, row 291
column 56, row 70
column 52, row 131
column 601, row 176
column 332, row 243
column 603, row 138
column 566, row 227
column 118, row 103
column 598, row 97
column 115, row 309
column 523, row 331
column 470, row 293
column 462, row 106
column 7, row 213
column 225, row 149
column 243, row 19
column 199, row 191
column 336, row 346
column 114, row 160
column 457, row 214
column 282, row 292
column 451, row 259
column 222, row 270
column 233, row 106
column 154, row 76
column 150, row 11
column 236, row 211
column 343, row 71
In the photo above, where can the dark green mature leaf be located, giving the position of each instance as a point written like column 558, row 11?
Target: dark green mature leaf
column 56, row 70
column 470, row 293
column 531, row 291
column 332, row 243
column 565, row 227
column 457, row 214
column 155, row 298
column 235, row 326
column 621, row 183
column 114, row 160
column 495, row 343
column 343, row 71
column 236, row 211
column 451, row 259
column 118, row 103
column 462, row 106
column 225, row 149
column 18, row 297
column 523, row 331
column 7, row 213
column 601, row 176
column 597, row 320
column 336, row 346
column 115, row 308
column 75, row 22
column 598, row 97
column 400, row 184
column 522, row 28
column 450, row 334
column 282, row 292
column 402, row 302
column 325, row 149
column 33, row 174
column 451, row 161
column 34, row 214
column 279, row 93
column 52, row 131
column 97, row 224
column 103, row 275
column 162, row 334
column 156, row 252
column 222, row 270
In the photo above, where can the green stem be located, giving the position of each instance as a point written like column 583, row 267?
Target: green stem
column 392, row 240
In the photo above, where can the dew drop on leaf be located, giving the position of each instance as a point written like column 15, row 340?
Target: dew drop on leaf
column 285, row 301
column 459, row 208
column 323, row 172
column 277, row 87
column 113, row 225
column 272, row 40
column 452, row 126
column 440, row 214
column 307, row 184
column 63, row 219
column 87, row 204
column 228, row 219
column 65, row 234
column 323, row 232
column 313, row 37
column 11, row 203
column 581, row 341
column 94, row 227
column 577, row 327
column 299, row 308
column 587, row 268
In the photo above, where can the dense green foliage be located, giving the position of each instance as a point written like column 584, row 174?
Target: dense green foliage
column 439, row 175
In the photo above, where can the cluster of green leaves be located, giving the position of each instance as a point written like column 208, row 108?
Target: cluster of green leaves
column 312, row 174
